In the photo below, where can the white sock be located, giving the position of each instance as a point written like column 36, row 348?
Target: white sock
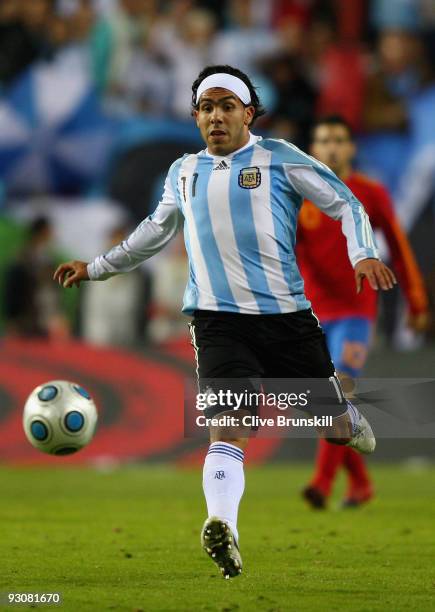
column 353, row 414
column 224, row 482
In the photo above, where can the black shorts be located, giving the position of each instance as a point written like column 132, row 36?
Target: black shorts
column 278, row 346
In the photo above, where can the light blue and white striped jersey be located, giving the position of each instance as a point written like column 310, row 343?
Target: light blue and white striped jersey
column 239, row 214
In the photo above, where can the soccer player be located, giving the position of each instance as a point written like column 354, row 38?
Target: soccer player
column 347, row 318
column 237, row 201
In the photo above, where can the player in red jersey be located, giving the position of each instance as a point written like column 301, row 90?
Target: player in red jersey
column 347, row 317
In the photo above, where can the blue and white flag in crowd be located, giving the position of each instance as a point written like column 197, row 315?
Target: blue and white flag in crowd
column 54, row 136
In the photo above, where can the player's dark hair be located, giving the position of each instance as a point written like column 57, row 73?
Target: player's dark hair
column 331, row 120
column 255, row 100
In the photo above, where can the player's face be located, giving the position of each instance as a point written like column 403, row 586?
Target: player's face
column 333, row 146
column 223, row 120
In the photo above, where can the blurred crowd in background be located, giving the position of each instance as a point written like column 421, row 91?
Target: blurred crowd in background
column 95, row 103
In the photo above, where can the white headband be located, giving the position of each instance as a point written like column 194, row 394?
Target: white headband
column 226, row 81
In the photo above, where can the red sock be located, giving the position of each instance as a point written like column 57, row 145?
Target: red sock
column 359, row 478
column 329, row 459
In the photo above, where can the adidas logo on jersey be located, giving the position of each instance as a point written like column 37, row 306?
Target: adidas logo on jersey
column 222, row 166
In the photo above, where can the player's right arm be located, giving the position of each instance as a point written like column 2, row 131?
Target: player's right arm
column 150, row 236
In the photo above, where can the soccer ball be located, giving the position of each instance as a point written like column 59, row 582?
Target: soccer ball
column 59, row 417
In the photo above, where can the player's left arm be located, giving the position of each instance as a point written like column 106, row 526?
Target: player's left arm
column 317, row 183
column 402, row 257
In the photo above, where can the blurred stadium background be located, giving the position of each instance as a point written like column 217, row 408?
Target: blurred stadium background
column 95, row 105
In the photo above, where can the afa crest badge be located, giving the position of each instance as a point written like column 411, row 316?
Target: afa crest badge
column 250, row 178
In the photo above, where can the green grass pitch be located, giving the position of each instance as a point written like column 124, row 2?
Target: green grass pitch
column 128, row 540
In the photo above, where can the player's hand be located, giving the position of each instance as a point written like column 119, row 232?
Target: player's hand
column 377, row 273
column 71, row 273
column 420, row 322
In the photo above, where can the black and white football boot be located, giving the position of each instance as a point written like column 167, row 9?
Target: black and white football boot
column 219, row 542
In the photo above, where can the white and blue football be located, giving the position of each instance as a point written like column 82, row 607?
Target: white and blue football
column 60, row 417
